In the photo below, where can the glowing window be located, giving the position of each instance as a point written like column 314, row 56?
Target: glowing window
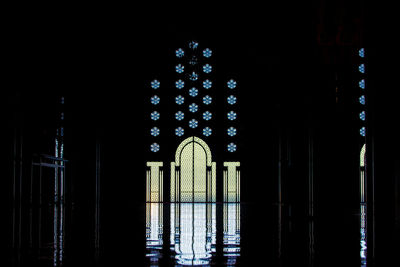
column 155, row 131
column 207, row 100
column 362, row 156
column 231, row 182
column 193, row 45
column 193, row 123
column 207, row 115
column 362, row 131
column 193, row 172
column 154, row 182
column 207, row 84
column 180, row 68
column 232, row 147
column 179, row 52
column 362, row 84
column 179, row 131
column 231, row 100
column 361, row 52
column 207, row 131
column 207, row 68
column 207, row 52
column 193, row 107
column 362, row 100
column 155, row 84
column 154, row 147
column 193, row 76
column 361, row 68
column 179, row 84
column 231, row 131
column 193, row 92
column 231, row 84
column 231, row 115
column 362, row 115
column 179, row 115
column 179, row 100
column 155, row 100
column 155, row 115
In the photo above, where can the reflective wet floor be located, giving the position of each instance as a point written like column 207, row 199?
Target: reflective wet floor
column 201, row 234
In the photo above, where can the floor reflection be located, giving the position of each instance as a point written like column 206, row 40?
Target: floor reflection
column 231, row 233
column 363, row 235
column 193, row 233
column 154, row 232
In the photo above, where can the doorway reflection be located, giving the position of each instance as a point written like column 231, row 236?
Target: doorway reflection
column 193, row 234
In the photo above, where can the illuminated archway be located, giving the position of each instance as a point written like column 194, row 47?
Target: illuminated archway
column 193, row 172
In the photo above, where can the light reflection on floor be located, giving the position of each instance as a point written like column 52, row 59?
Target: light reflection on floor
column 231, row 232
column 363, row 235
column 154, row 231
column 193, row 233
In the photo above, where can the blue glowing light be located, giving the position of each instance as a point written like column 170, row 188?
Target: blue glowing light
column 193, row 92
column 207, row 131
column 231, row 115
column 155, row 131
column 231, row 100
column 155, row 84
column 207, row 84
column 179, row 84
column 193, row 76
column 155, row 115
column 179, row 131
column 207, row 115
column 179, row 68
column 361, row 52
column 207, row 68
column 362, row 131
column 155, row 100
column 179, row 100
column 362, row 115
column 193, row 107
column 179, row 115
column 362, row 84
column 207, row 52
column 193, row 123
column 231, row 131
column 362, row 100
column 232, row 147
column 231, row 84
column 154, row 147
column 179, row 52
column 361, row 68
column 207, row 100
column 193, row 45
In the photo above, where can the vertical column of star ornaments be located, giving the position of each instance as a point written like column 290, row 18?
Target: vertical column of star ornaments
column 192, row 90
column 363, row 135
column 231, row 174
column 155, row 115
column 361, row 84
column 231, row 115
column 154, row 171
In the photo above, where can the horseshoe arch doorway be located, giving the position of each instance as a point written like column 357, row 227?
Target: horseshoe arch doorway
column 193, row 172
